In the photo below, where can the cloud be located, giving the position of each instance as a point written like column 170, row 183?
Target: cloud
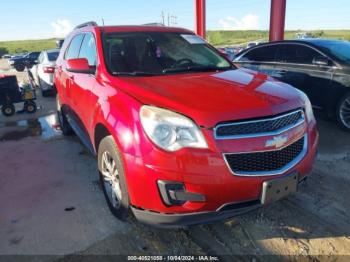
column 248, row 22
column 61, row 27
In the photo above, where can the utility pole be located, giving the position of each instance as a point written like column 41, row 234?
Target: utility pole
column 163, row 18
column 172, row 19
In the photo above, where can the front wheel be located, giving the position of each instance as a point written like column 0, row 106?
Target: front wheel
column 112, row 178
column 343, row 112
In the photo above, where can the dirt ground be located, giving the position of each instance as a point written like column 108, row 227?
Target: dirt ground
column 51, row 204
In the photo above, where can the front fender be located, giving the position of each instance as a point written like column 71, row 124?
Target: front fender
column 119, row 114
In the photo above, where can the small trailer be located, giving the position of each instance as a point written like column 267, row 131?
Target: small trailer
column 11, row 93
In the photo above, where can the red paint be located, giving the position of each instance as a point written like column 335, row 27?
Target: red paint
column 78, row 64
column 200, row 17
column 277, row 19
column 206, row 98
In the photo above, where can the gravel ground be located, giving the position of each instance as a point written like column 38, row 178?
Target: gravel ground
column 51, row 204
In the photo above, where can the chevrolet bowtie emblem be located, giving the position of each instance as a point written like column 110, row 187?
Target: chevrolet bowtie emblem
column 277, row 141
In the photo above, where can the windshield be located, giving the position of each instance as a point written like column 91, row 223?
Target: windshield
column 339, row 49
column 155, row 53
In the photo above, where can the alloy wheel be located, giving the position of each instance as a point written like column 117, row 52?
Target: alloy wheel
column 111, row 180
column 345, row 112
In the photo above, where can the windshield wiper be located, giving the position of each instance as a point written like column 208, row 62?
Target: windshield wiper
column 135, row 73
column 195, row 69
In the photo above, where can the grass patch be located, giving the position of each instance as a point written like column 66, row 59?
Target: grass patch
column 226, row 38
column 13, row 47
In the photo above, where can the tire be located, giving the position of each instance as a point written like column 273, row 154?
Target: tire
column 111, row 168
column 62, row 120
column 45, row 93
column 343, row 112
column 20, row 68
column 30, row 107
column 8, row 110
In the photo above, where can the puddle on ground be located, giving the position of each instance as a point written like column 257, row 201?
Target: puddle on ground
column 45, row 127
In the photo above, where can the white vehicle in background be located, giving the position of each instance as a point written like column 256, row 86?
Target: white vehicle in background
column 43, row 71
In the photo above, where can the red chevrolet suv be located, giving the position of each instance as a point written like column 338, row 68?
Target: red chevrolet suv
column 181, row 135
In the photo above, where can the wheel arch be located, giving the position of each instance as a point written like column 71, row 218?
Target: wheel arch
column 100, row 132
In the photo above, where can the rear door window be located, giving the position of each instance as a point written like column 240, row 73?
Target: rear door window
column 74, row 47
column 296, row 54
column 260, row 54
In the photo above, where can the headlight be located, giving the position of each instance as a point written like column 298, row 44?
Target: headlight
column 308, row 110
column 169, row 130
column 308, row 107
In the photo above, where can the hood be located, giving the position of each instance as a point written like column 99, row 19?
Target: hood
column 210, row 98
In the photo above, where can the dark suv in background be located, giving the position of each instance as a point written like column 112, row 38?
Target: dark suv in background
column 320, row 68
column 20, row 63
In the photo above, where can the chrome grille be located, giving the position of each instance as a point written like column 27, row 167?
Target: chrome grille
column 262, row 127
column 268, row 162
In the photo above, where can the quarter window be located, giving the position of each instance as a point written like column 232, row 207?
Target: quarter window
column 74, row 47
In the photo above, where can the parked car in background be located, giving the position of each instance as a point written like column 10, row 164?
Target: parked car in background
column 43, row 71
column 227, row 52
column 7, row 56
column 320, row 68
column 21, row 62
column 15, row 56
column 251, row 44
column 181, row 135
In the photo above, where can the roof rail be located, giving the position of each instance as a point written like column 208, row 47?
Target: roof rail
column 154, row 24
column 90, row 23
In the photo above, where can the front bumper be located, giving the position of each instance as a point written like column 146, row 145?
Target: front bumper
column 227, row 211
column 190, row 219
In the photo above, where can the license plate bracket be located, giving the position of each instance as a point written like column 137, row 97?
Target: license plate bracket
column 276, row 189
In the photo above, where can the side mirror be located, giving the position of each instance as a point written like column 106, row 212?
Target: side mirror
column 79, row 65
column 321, row 61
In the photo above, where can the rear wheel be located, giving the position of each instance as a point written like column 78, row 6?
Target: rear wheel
column 8, row 110
column 45, row 93
column 343, row 112
column 30, row 107
column 62, row 120
column 20, row 68
column 112, row 178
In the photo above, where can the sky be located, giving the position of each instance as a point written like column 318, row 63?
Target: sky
column 38, row 19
